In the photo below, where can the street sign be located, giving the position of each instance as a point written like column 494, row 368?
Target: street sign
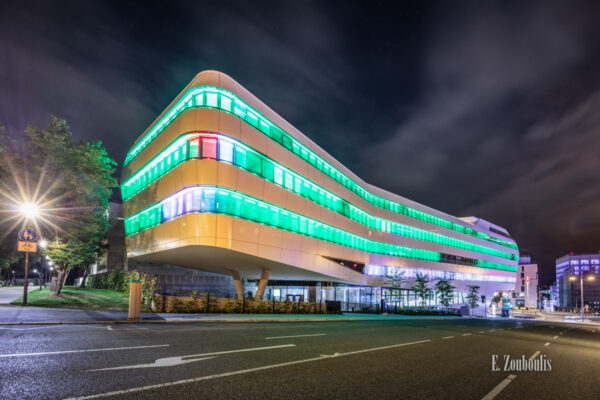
column 28, row 247
column 28, row 235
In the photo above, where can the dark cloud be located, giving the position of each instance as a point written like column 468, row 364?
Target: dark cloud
column 476, row 108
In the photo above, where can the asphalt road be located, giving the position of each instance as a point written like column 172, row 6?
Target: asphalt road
column 410, row 359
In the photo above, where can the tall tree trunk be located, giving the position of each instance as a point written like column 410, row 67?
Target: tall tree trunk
column 85, row 274
column 62, row 277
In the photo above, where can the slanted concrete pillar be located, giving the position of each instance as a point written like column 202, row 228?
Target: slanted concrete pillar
column 262, row 284
column 237, row 282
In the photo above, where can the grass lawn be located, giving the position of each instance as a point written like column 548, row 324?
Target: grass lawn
column 75, row 297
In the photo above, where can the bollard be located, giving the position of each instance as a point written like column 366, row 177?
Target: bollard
column 135, row 298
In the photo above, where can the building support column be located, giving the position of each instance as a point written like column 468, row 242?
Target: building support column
column 237, row 282
column 262, row 284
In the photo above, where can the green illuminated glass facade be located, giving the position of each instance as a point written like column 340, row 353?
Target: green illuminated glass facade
column 225, row 149
column 220, row 99
column 219, row 200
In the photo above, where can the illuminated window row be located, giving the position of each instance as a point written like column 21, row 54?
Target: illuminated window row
column 218, row 200
column 411, row 273
column 218, row 147
column 213, row 97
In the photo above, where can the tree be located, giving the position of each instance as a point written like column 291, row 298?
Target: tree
column 395, row 281
column 473, row 296
column 445, row 292
column 75, row 178
column 9, row 263
column 497, row 299
column 420, row 287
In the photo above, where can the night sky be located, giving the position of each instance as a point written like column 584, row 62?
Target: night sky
column 480, row 108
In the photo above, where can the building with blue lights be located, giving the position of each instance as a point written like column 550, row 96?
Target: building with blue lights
column 575, row 266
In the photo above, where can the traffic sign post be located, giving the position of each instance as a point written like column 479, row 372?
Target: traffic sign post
column 28, row 244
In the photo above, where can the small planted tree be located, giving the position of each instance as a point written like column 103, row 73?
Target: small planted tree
column 421, row 288
column 395, row 281
column 473, row 296
column 445, row 292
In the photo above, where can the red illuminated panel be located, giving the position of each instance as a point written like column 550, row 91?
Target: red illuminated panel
column 209, row 148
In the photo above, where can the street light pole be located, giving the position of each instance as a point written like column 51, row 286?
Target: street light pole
column 581, row 289
column 26, row 273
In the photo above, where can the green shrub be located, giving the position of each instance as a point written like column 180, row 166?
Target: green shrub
column 228, row 307
column 191, row 306
column 176, row 306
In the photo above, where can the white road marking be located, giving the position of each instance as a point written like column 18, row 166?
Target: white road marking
column 30, row 329
column 161, row 362
column 49, row 353
column 111, row 328
column 243, row 371
column 547, row 344
column 466, row 334
column 49, row 327
column 295, row 336
column 555, row 337
column 537, row 353
column 481, row 332
column 495, row 391
column 178, row 360
column 447, row 337
column 492, row 330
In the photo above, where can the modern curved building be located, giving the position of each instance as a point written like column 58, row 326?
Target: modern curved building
column 221, row 183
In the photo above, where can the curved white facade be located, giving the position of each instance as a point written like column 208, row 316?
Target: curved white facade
column 220, row 182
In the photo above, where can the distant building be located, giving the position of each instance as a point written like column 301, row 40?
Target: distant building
column 526, row 286
column 575, row 265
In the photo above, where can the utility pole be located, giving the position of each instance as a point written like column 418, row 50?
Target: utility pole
column 581, row 288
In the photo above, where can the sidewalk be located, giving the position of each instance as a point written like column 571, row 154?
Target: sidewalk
column 11, row 293
column 16, row 315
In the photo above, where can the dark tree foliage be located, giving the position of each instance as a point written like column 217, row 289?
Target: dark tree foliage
column 445, row 292
column 73, row 179
column 421, row 288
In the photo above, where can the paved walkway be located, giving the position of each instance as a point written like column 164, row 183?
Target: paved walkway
column 9, row 294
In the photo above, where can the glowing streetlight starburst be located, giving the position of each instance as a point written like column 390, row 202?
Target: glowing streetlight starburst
column 23, row 203
column 29, row 210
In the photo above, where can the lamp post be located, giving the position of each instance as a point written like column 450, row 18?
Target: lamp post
column 29, row 211
column 574, row 278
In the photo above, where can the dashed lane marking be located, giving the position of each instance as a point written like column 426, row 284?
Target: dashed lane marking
column 295, row 336
column 495, row 391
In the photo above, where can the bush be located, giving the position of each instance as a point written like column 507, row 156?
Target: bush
column 119, row 280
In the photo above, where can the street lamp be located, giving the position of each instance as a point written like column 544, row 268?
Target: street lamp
column 29, row 210
column 589, row 278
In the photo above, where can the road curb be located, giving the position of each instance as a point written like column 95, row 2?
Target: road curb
column 211, row 321
column 196, row 321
